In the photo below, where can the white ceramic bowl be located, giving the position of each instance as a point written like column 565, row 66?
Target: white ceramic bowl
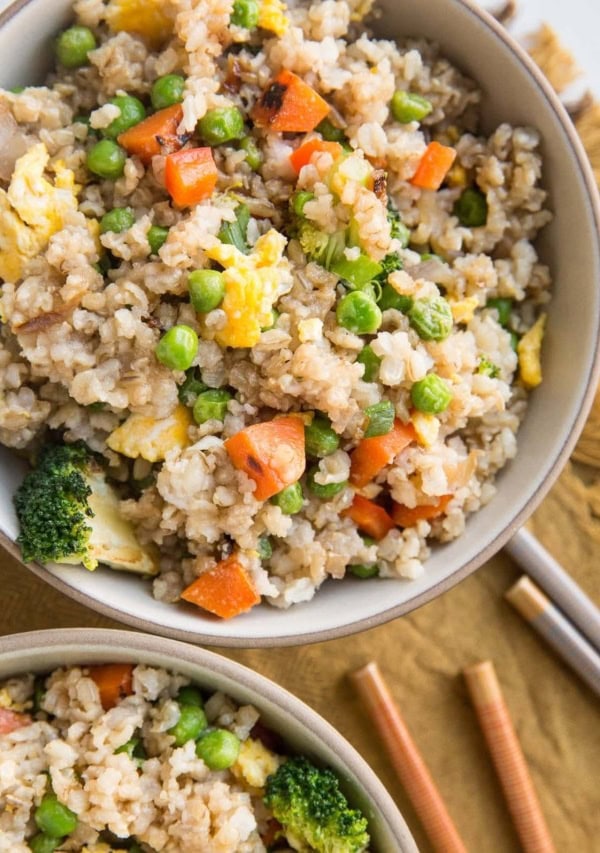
column 514, row 91
column 304, row 730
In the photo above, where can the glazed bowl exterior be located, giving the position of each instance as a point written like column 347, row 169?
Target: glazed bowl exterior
column 303, row 729
column 513, row 91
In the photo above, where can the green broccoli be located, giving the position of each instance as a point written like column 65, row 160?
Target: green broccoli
column 390, row 264
column 314, row 813
column 69, row 514
column 398, row 229
column 324, row 249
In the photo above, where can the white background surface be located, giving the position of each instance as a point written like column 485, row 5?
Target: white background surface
column 577, row 22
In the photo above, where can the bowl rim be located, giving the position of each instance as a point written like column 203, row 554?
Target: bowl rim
column 85, row 639
column 237, row 641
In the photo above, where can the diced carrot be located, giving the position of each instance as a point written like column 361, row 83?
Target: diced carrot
column 301, row 156
column 226, row 590
column 190, row 176
column 288, row 104
column 272, row 454
column 369, row 517
column 156, row 134
column 405, row 516
column 434, row 166
column 373, row 454
column 10, row 721
column 114, row 681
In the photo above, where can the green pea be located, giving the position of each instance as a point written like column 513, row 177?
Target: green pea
column 253, row 156
column 134, row 748
column 299, row 199
column 503, row 306
column 118, row 219
column 363, row 571
column 178, row 347
column 16, row 90
column 407, row 107
column 330, row 132
column 156, row 237
column 390, row 298
column 245, row 14
column 73, row 45
column 368, row 540
column 381, row 418
column 265, row 548
column 471, row 208
column 320, row 439
column 290, row 499
column 431, row 318
column 358, row 313
column 371, row 363
column 326, row 492
column 207, row 289
column 211, row 405
column 106, row 159
column 192, row 721
column 191, row 387
column 53, row 818
column 431, row 395
column 190, row 695
column 166, row 91
column 221, row 125
column 132, row 112
column 218, row 749
column 42, row 843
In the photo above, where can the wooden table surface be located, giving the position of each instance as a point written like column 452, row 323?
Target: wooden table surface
column 422, row 655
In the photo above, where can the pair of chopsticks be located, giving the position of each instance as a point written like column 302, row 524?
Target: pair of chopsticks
column 503, row 745
column 568, row 620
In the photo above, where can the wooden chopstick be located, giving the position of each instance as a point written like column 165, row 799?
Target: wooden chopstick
column 508, row 758
column 406, row 759
column 560, row 586
column 537, row 609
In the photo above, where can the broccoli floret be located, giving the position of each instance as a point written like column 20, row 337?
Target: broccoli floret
column 69, row 514
column 389, row 264
column 324, row 249
column 314, row 813
column 398, row 229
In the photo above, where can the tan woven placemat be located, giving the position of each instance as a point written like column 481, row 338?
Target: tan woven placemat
column 421, row 655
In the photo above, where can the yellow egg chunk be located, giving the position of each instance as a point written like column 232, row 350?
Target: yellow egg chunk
column 271, row 16
column 529, row 350
column 427, row 428
column 32, row 209
column 255, row 762
column 464, row 309
column 149, row 438
column 146, row 18
column 252, row 285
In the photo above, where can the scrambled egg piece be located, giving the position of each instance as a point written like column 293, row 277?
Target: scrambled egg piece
column 32, row 209
column 427, row 428
column 271, row 16
column 255, row 762
column 146, row 18
column 149, row 438
column 529, row 351
column 464, row 309
column 252, row 285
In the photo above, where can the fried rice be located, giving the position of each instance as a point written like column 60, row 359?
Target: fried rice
column 83, row 311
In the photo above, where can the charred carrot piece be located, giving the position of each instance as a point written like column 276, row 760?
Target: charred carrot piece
column 156, row 134
column 114, row 682
column 369, row 517
column 288, row 104
column 373, row 454
column 301, row 156
column 434, row 166
column 226, row 590
column 272, row 454
column 405, row 516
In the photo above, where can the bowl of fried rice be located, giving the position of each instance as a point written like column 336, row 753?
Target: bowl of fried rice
column 120, row 741
column 299, row 306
